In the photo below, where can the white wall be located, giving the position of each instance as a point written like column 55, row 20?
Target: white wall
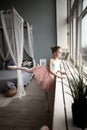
column 61, row 17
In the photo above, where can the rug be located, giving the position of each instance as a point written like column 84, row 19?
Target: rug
column 4, row 101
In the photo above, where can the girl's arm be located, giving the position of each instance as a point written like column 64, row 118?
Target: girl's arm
column 51, row 70
column 60, row 70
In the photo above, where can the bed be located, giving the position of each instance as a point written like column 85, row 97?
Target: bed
column 11, row 75
column 16, row 37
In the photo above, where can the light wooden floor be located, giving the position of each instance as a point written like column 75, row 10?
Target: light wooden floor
column 27, row 113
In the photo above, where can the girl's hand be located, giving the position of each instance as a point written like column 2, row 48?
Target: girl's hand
column 61, row 72
column 64, row 73
column 63, row 77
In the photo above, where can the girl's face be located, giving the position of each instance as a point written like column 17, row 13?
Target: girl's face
column 58, row 53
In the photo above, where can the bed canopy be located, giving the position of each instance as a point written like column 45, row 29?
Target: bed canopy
column 18, row 36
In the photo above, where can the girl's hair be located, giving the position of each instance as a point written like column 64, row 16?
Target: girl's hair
column 55, row 48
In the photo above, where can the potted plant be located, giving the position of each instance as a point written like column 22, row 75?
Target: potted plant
column 78, row 88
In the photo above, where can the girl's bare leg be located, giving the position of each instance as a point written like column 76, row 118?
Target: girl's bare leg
column 29, row 70
column 46, row 102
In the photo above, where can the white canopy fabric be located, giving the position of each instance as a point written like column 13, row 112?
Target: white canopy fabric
column 12, row 24
column 4, row 54
column 28, row 41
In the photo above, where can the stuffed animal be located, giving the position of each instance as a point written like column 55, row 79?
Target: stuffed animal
column 11, row 89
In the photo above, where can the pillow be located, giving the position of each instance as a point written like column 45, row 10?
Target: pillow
column 27, row 63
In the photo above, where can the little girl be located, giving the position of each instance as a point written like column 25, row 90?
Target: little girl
column 45, row 76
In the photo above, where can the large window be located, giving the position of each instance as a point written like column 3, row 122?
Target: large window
column 78, row 34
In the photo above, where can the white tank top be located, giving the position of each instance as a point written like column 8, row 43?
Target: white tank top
column 56, row 65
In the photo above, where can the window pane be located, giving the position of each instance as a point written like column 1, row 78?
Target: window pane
column 84, row 41
column 84, row 4
column 74, row 38
column 72, row 1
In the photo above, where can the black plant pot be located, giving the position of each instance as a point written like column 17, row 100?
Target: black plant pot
column 79, row 114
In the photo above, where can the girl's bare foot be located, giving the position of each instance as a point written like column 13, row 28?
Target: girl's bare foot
column 64, row 73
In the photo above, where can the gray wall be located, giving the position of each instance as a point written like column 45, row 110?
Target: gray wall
column 42, row 15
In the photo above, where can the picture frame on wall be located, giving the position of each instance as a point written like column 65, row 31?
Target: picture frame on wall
column 42, row 62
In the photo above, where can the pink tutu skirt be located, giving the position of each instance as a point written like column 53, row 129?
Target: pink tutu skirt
column 44, row 78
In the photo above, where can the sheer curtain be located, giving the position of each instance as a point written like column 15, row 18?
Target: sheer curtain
column 12, row 24
column 4, row 56
column 3, row 52
column 28, row 41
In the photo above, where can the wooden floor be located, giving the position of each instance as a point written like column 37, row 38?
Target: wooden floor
column 27, row 113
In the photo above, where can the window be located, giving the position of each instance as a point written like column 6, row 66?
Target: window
column 75, row 37
column 78, row 35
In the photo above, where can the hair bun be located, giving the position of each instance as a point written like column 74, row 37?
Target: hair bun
column 55, row 48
